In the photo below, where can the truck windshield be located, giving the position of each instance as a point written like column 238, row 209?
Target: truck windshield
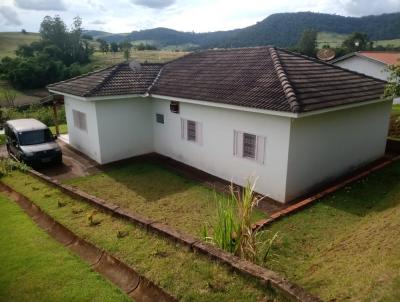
column 35, row 137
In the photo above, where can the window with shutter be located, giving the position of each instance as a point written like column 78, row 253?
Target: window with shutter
column 191, row 131
column 251, row 146
column 79, row 120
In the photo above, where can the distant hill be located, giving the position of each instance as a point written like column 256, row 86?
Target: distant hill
column 282, row 29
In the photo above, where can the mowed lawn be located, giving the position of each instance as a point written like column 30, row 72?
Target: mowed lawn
column 186, row 275
column 34, row 267
column 347, row 246
column 157, row 193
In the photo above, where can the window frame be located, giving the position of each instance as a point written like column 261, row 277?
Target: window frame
column 160, row 118
column 239, row 146
column 80, row 120
column 246, row 153
column 191, row 131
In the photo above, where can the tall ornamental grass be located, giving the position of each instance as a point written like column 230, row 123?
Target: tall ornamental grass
column 232, row 230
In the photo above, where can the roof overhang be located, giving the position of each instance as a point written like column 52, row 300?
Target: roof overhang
column 359, row 55
column 270, row 112
column 225, row 106
column 98, row 98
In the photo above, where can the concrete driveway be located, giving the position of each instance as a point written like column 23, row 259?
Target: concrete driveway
column 75, row 164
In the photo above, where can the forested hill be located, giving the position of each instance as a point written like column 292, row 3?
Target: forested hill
column 281, row 29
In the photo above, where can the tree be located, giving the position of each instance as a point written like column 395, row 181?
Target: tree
column 356, row 42
column 114, row 47
column 23, row 31
column 393, row 87
column 307, row 43
column 104, row 47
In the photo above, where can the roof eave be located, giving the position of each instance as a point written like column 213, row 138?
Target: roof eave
column 98, row 98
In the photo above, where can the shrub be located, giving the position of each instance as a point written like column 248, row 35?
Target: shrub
column 7, row 165
column 233, row 230
column 39, row 112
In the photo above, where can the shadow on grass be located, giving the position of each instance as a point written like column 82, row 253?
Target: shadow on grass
column 375, row 193
column 148, row 180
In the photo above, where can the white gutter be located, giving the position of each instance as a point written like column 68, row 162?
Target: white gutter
column 269, row 112
column 226, row 106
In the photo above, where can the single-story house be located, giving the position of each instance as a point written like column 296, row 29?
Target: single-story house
column 371, row 63
column 291, row 121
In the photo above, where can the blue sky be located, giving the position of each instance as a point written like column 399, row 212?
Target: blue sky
column 187, row 15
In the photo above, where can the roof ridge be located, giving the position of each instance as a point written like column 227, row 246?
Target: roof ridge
column 82, row 75
column 330, row 64
column 105, row 80
column 155, row 80
column 283, row 78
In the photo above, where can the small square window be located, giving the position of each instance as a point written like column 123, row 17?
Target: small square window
column 160, row 118
column 79, row 120
column 174, row 107
column 191, row 131
column 249, row 145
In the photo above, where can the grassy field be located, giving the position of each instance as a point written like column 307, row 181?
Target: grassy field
column 187, row 276
column 347, row 246
column 101, row 60
column 63, row 128
column 9, row 42
column 155, row 193
column 34, row 267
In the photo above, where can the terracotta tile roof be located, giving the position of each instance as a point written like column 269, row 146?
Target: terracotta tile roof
column 259, row 77
column 264, row 78
column 389, row 58
column 119, row 79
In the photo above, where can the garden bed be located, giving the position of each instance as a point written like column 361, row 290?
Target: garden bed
column 156, row 193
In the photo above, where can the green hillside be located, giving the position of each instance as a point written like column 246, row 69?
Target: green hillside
column 335, row 40
column 9, row 41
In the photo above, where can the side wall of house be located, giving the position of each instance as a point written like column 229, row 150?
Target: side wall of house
column 125, row 128
column 365, row 66
column 86, row 141
column 326, row 146
column 215, row 154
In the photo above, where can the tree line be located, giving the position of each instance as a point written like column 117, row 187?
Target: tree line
column 58, row 55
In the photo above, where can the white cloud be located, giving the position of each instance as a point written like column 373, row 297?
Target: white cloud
column 10, row 16
column 368, row 7
column 46, row 5
column 98, row 22
column 158, row 4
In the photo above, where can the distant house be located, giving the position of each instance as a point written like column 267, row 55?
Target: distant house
column 371, row 63
column 291, row 121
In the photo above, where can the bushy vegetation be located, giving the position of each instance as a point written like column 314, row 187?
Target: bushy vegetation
column 57, row 56
column 233, row 229
column 39, row 112
column 8, row 165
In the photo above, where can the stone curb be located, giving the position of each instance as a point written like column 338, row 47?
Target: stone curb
column 263, row 275
column 132, row 283
column 311, row 200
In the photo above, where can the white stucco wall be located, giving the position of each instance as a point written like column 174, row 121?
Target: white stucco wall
column 125, row 128
column 84, row 141
column 326, row 146
column 365, row 66
column 215, row 155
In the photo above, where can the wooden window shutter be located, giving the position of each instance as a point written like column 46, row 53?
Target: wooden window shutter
column 260, row 151
column 199, row 133
column 183, row 129
column 238, row 143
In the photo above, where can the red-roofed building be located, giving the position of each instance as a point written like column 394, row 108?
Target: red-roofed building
column 372, row 63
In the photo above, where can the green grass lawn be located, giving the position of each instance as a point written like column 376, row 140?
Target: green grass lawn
column 184, row 274
column 9, row 42
column 394, row 127
column 34, row 267
column 347, row 246
column 156, row 193
column 63, row 128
